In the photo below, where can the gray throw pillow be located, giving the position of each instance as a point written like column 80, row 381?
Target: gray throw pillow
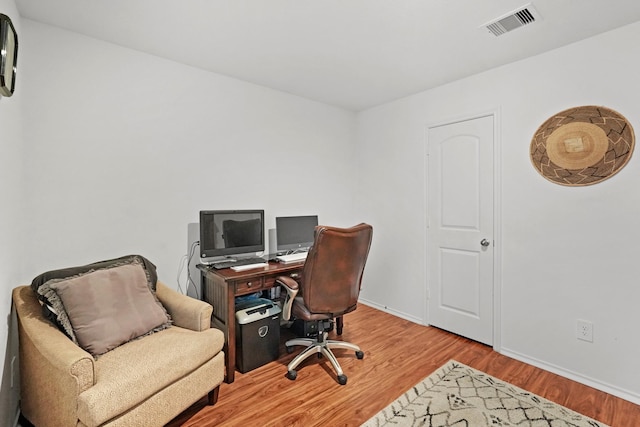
column 106, row 308
column 48, row 309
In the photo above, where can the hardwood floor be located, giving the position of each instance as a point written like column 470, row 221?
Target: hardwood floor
column 398, row 354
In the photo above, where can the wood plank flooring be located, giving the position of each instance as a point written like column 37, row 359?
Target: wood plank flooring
column 398, row 354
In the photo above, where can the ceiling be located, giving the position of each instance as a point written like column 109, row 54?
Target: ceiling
column 353, row 54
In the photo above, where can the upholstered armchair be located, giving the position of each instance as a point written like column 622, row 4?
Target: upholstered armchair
column 146, row 381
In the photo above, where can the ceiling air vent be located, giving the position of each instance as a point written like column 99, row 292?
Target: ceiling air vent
column 518, row 18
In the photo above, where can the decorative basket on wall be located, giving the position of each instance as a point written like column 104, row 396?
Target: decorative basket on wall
column 582, row 145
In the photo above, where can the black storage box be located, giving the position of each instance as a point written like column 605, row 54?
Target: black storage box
column 304, row 329
column 257, row 333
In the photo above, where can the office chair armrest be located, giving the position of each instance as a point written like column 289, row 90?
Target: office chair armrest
column 292, row 287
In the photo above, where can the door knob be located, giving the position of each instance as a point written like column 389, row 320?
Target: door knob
column 484, row 242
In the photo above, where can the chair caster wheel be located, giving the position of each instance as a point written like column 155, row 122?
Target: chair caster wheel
column 292, row 375
column 360, row 354
column 289, row 349
column 342, row 379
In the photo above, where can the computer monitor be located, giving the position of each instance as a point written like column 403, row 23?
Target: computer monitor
column 295, row 232
column 231, row 232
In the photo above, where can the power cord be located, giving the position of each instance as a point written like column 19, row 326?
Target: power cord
column 183, row 258
column 190, row 282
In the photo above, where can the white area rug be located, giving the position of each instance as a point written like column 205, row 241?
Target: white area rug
column 460, row 396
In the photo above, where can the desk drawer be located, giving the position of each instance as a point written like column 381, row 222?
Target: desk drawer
column 270, row 281
column 248, row 286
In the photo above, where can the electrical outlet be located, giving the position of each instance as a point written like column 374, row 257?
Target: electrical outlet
column 584, row 330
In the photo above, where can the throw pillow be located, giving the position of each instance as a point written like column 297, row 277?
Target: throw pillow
column 48, row 309
column 106, row 308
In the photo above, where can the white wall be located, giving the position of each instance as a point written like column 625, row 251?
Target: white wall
column 11, row 230
column 125, row 148
column 122, row 149
column 566, row 253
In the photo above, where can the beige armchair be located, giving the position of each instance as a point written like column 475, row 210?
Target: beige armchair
column 145, row 382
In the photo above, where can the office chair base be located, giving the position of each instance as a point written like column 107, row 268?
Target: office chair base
column 322, row 347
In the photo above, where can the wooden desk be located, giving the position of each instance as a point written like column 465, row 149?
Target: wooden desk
column 220, row 287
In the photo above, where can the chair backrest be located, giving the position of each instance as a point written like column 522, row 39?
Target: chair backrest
column 332, row 272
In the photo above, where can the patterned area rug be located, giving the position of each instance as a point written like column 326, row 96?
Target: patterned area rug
column 457, row 395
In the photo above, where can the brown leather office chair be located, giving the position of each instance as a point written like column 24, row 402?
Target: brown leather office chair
column 329, row 288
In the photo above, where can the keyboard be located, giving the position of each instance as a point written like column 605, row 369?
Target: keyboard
column 291, row 258
column 237, row 262
column 249, row 266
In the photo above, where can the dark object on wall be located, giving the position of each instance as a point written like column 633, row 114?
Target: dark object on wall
column 8, row 56
column 582, row 145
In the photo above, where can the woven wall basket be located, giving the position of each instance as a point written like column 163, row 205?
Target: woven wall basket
column 582, row 145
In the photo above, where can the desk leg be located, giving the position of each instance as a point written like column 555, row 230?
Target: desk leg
column 339, row 325
column 216, row 292
column 231, row 338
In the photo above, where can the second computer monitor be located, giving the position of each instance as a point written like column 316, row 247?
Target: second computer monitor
column 295, row 232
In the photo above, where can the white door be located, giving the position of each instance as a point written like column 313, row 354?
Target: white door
column 460, row 233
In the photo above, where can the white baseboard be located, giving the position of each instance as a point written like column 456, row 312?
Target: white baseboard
column 582, row 379
column 391, row 311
